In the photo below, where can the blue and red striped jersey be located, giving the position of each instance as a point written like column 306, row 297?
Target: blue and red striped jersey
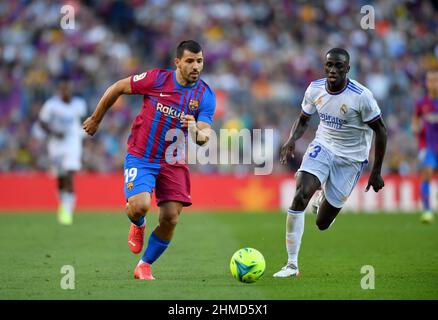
column 427, row 110
column 165, row 101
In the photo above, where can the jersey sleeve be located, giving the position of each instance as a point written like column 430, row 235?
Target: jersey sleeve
column 142, row 83
column 45, row 114
column 207, row 107
column 307, row 106
column 369, row 108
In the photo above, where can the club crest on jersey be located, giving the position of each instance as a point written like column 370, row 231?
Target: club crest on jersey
column 318, row 101
column 343, row 109
column 130, row 185
column 193, row 105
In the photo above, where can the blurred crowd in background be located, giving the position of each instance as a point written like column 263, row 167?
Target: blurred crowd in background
column 259, row 58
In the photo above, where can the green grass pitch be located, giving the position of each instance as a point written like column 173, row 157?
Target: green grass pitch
column 402, row 251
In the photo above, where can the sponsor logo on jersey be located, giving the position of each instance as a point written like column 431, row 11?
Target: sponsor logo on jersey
column 170, row 111
column 343, row 109
column 332, row 121
column 193, row 105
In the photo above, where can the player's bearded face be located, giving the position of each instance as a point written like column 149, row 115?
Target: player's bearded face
column 65, row 91
column 336, row 68
column 190, row 66
column 432, row 83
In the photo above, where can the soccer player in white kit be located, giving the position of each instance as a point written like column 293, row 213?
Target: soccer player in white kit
column 61, row 118
column 335, row 159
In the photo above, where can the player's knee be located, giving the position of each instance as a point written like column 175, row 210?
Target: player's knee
column 322, row 225
column 426, row 175
column 137, row 209
column 65, row 182
column 69, row 188
column 169, row 221
column 302, row 198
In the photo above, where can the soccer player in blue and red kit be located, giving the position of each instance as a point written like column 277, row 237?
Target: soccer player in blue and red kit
column 425, row 125
column 172, row 99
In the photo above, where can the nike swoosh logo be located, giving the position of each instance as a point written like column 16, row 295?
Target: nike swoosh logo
column 131, row 243
column 164, row 95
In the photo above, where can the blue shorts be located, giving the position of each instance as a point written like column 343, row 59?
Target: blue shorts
column 428, row 158
column 170, row 181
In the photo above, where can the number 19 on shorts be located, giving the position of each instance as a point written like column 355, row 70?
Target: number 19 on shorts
column 130, row 174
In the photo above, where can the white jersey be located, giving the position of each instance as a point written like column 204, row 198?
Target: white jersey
column 343, row 118
column 65, row 118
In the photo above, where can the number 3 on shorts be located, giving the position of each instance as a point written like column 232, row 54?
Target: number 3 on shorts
column 130, row 174
column 314, row 153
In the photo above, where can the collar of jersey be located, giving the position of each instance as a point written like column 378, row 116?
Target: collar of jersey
column 180, row 85
column 338, row 92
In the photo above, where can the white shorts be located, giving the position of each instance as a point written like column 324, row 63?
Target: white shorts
column 64, row 157
column 337, row 175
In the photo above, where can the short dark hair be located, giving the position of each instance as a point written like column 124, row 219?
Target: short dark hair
column 340, row 51
column 189, row 45
column 62, row 78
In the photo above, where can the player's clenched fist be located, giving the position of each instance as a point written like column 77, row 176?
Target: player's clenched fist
column 375, row 181
column 188, row 121
column 90, row 126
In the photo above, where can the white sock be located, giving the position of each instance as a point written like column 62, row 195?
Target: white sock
column 294, row 233
column 68, row 201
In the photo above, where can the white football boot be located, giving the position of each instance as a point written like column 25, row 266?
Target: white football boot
column 288, row 270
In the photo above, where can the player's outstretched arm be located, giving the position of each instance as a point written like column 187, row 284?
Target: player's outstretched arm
column 298, row 128
column 376, row 180
column 109, row 97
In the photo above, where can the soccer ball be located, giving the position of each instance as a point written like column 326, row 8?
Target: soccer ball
column 247, row 265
